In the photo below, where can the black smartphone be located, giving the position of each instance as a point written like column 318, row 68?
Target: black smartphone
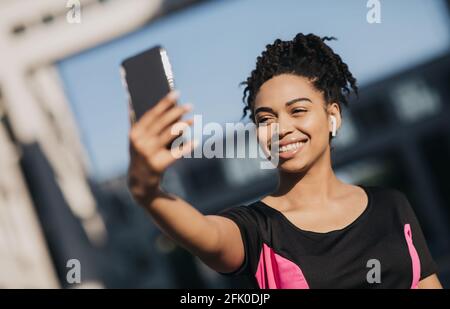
column 148, row 77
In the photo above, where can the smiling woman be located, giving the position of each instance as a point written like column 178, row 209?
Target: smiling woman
column 315, row 231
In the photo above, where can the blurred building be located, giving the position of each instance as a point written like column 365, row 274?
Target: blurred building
column 49, row 213
column 397, row 134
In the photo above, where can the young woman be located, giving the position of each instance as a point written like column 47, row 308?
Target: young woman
column 315, row 231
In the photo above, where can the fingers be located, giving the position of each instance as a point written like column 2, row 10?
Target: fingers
column 147, row 147
column 163, row 159
column 157, row 128
column 149, row 127
column 152, row 114
column 174, row 131
column 168, row 118
column 187, row 147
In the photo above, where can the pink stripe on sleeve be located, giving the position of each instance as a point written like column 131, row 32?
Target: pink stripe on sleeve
column 414, row 257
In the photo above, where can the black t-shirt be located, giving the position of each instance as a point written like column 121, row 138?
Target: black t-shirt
column 383, row 248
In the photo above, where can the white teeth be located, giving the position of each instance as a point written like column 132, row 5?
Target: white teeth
column 290, row 147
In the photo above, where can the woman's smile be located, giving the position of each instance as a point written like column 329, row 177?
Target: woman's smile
column 290, row 150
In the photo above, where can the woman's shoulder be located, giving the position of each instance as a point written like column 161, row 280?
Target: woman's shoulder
column 388, row 198
column 383, row 193
column 254, row 213
column 254, row 208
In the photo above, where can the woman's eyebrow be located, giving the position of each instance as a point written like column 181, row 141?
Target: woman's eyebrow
column 263, row 109
column 297, row 100
column 270, row 110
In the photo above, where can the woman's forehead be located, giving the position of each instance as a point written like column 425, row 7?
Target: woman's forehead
column 284, row 88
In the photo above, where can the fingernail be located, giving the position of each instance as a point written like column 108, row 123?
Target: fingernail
column 188, row 106
column 174, row 95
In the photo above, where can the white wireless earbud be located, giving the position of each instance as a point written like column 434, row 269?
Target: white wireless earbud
column 333, row 125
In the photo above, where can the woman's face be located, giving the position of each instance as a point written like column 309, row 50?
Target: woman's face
column 303, row 118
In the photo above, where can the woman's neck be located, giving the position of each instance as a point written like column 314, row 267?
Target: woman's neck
column 314, row 187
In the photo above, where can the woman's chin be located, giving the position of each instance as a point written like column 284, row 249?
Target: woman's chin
column 294, row 165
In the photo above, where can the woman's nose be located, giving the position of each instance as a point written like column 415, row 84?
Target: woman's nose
column 285, row 127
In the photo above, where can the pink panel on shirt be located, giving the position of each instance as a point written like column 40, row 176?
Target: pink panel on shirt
column 414, row 257
column 277, row 272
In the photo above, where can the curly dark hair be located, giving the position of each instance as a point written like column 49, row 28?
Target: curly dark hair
column 307, row 56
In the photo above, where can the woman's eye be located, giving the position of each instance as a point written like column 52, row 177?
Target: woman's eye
column 299, row 110
column 262, row 120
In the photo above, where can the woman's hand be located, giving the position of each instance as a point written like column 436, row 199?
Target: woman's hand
column 150, row 155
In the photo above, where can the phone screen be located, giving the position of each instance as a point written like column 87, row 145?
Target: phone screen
column 148, row 77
